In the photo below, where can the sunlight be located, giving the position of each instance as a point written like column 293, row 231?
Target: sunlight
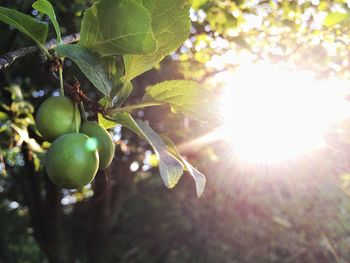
column 275, row 113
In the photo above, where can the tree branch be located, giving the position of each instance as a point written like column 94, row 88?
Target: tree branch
column 8, row 58
column 77, row 95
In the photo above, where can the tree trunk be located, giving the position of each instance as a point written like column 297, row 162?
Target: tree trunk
column 45, row 212
column 98, row 243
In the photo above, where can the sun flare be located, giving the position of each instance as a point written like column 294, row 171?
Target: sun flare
column 275, row 113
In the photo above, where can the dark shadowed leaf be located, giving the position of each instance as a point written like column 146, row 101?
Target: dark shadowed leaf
column 26, row 24
column 124, row 93
column 90, row 64
column 45, row 7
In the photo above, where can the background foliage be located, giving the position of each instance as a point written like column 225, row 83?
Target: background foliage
column 295, row 213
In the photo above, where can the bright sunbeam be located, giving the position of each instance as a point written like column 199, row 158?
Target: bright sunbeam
column 275, row 113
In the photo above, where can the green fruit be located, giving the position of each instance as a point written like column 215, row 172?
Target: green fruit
column 105, row 144
column 72, row 160
column 55, row 117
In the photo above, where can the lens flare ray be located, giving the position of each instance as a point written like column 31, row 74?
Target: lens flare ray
column 275, row 113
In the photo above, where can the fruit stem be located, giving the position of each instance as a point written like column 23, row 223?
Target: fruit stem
column 76, row 111
column 82, row 111
column 60, row 72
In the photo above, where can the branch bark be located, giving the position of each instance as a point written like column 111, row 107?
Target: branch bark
column 8, row 58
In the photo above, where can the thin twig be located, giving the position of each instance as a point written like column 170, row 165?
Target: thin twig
column 8, row 58
column 78, row 95
column 132, row 107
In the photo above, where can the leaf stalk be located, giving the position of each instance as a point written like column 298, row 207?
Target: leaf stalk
column 132, row 107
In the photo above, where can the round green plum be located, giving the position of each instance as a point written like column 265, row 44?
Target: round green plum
column 72, row 160
column 105, row 144
column 55, row 117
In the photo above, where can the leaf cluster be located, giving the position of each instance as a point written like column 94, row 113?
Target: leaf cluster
column 139, row 33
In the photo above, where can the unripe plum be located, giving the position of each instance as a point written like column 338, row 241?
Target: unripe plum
column 105, row 144
column 55, row 117
column 72, row 160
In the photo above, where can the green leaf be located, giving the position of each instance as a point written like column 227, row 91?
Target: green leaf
column 197, row 176
column 26, row 24
column 91, row 64
column 107, row 124
column 16, row 93
column 126, row 120
column 198, row 4
column 171, row 163
column 171, row 26
column 187, row 97
column 45, row 7
column 124, row 93
column 113, row 27
column 335, row 18
column 171, row 169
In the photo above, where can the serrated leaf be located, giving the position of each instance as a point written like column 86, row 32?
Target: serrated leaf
column 45, row 7
column 171, row 163
column 113, row 27
column 26, row 24
column 197, row 176
column 335, row 18
column 90, row 64
column 171, row 169
column 185, row 96
column 171, row 26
